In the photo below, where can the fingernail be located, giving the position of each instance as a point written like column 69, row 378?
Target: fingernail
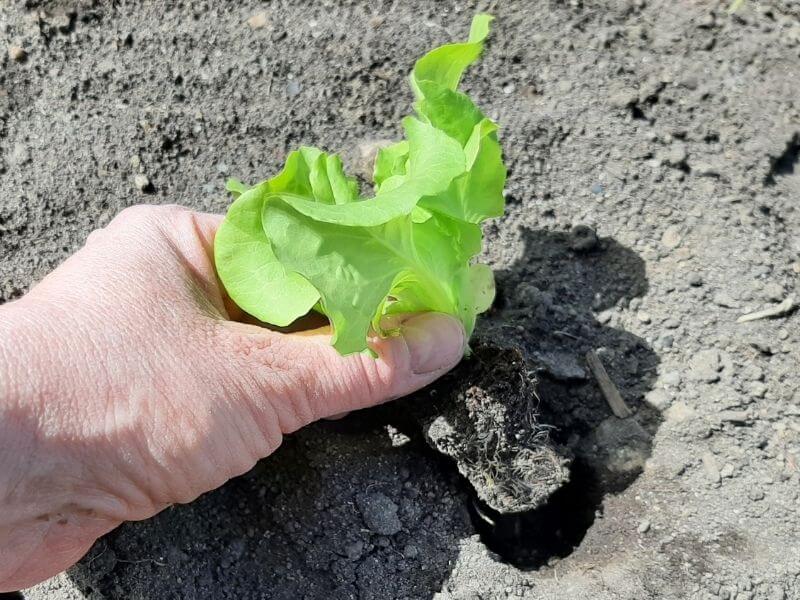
column 435, row 342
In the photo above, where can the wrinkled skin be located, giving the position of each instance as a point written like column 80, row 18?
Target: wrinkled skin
column 127, row 384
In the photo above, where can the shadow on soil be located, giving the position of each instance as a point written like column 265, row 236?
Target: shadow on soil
column 547, row 303
column 291, row 529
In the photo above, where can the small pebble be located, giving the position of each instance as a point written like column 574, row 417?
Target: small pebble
column 17, row 54
column 671, row 323
column 677, row 154
column 671, row 237
column 711, row 469
column 706, row 365
column 774, row 292
column 643, row 317
column 355, row 550
column 623, row 97
column 658, row 399
column 644, row 526
column 141, row 182
column 724, row 300
column 757, row 389
column 665, row 341
column 695, row 279
column 293, row 88
column 258, row 21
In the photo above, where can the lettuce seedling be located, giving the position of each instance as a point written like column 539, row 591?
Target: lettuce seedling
column 304, row 240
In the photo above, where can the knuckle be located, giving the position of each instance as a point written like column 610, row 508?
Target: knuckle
column 274, row 370
column 146, row 213
column 135, row 213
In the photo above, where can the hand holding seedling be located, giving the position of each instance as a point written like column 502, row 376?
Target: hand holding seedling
column 127, row 385
column 130, row 379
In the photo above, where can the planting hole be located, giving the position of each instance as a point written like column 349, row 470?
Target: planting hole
column 530, row 539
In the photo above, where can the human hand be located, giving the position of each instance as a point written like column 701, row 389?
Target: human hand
column 127, row 385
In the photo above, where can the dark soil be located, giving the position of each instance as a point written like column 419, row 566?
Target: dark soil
column 652, row 199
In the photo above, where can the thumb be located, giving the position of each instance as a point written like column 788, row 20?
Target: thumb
column 429, row 345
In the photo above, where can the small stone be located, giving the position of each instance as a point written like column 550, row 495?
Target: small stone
column 734, row 416
column 752, row 372
column 379, row 513
column 564, row 86
column 141, row 182
column 671, row 238
column 676, row 155
column 410, row 551
column 724, row 300
column 665, row 341
column 671, row 323
column 643, row 317
column 623, row 97
column 135, row 162
column 644, row 526
column 583, row 239
column 727, row 471
column 707, row 21
column 509, row 89
column 355, row 550
column 773, row 292
column 672, row 378
column 695, row 279
column 704, row 169
column 777, row 593
column 58, row 20
column 20, row 155
column 293, row 88
column 562, row 365
column 258, row 21
column 756, row 389
column 679, row 412
column 17, row 54
column 710, row 468
column 658, row 399
column 706, row 365
column 755, row 494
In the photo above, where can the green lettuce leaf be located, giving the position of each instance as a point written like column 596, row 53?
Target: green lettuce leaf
column 305, row 240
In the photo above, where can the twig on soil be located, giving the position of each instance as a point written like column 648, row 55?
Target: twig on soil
column 142, row 561
column 778, row 310
column 610, row 391
column 566, row 334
